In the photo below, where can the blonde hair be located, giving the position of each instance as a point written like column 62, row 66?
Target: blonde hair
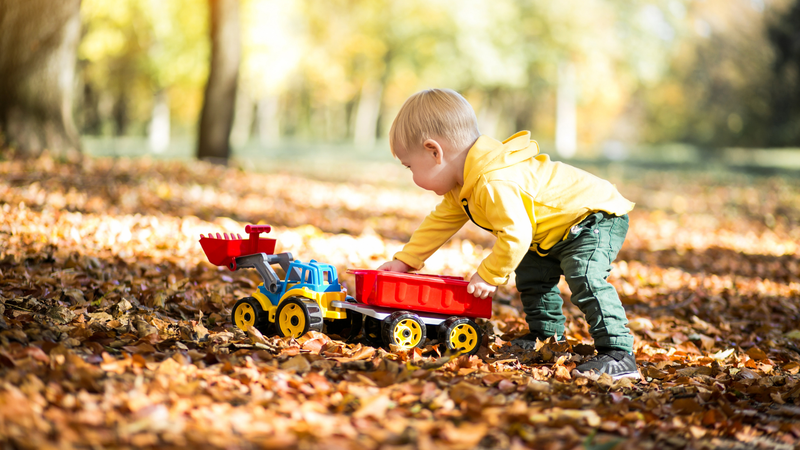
column 433, row 113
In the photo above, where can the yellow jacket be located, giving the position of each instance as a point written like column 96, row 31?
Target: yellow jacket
column 526, row 200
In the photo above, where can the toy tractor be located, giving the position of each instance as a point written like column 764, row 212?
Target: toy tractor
column 393, row 308
column 293, row 306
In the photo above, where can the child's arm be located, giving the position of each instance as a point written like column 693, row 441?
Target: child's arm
column 508, row 215
column 439, row 226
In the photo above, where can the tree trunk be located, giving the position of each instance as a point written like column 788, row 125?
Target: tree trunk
column 269, row 122
column 784, row 34
column 158, row 131
column 38, row 52
column 216, row 120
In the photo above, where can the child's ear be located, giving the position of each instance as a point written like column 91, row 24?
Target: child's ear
column 434, row 149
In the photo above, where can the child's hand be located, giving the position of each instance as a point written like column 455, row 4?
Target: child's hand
column 395, row 266
column 480, row 288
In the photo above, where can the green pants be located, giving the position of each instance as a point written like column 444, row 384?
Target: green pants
column 584, row 258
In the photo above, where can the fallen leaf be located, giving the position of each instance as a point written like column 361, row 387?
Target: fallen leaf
column 686, row 406
column 375, row 407
column 360, row 353
column 722, row 355
column 756, row 353
column 296, row 363
column 792, row 367
column 794, row 334
column 142, row 348
column 255, row 336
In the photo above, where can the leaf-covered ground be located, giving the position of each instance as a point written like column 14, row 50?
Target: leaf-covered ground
column 115, row 330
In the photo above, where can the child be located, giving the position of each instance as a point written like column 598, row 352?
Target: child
column 549, row 219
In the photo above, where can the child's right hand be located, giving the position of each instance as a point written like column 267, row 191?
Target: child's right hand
column 395, row 265
column 479, row 287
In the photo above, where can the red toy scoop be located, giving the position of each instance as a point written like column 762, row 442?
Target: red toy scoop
column 222, row 250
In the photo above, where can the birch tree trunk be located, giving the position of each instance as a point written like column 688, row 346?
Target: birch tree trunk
column 566, row 123
column 369, row 104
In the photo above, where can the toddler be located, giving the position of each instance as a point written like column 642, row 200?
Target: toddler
column 549, row 218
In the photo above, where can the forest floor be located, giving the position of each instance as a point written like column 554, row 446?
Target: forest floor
column 115, row 330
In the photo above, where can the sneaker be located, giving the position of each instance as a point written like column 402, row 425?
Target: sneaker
column 528, row 342
column 617, row 363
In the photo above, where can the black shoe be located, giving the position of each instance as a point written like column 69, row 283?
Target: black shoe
column 528, row 342
column 617, row 363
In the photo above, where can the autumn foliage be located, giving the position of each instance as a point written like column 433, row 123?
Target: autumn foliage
column 115, row 330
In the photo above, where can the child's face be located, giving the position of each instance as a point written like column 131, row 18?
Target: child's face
column 428, row 167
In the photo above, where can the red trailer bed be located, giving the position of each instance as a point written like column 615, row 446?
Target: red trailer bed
column 417, row 292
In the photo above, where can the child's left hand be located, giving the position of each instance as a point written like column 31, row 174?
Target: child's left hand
column 479, row 287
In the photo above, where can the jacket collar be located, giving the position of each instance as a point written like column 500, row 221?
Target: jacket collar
column 489, row 154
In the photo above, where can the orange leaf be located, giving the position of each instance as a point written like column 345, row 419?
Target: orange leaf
column 756, row 353
column 374, row 407
column 791, row 367
column 562, row 374
column 362, row 352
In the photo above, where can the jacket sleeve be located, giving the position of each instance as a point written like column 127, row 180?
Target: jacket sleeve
column 508, row 216
column 439, row 226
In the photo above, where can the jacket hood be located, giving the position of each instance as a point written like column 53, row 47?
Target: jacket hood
column 489, row 154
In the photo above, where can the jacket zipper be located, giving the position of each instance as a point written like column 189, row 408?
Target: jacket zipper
column 466, row 209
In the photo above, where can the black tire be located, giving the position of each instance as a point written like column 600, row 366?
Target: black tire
column 345, row 329
column 404, row 329
column 373, row 333
column 247, row 312
column 460, row 333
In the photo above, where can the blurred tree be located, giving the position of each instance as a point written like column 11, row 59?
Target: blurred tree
column 784, row 34
column 361, row 59
column 138, row 58
column 38, row 44
column 645, row 71
column 716, row 92
column 216, row 119
column 273, row 44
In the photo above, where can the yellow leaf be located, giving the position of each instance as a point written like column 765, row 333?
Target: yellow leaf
column 723, row 354
column 794, row 334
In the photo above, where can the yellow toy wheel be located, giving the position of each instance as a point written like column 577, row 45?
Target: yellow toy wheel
column 461, row 334
column 292, row 318
column 247, row 313
column 404, row 329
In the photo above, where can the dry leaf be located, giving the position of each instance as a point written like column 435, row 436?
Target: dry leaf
column 104, row 287
column 374, row 407
column 255, row 336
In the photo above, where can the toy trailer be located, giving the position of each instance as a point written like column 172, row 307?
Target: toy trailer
column 400, row 308
column 393, row 308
